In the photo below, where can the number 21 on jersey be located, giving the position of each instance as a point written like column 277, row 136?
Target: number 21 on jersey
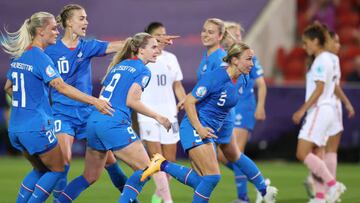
column 18, row 78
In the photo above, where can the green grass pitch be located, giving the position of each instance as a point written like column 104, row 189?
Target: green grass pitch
column 287, row 177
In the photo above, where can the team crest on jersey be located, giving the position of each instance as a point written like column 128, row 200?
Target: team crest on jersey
column 145, row 81
column 320, row 69
column 50, row 71
column 80, row 54
column 201, row 91
column 204, row 68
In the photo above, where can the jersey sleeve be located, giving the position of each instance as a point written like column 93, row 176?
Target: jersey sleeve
column 320, row 69
column 257, row 70
column 8, row 74
column 143, row 79
column 46, row 70
column 203, row 88
column 95, row 48
column 178, row 73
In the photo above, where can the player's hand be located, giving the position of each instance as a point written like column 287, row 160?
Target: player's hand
column 103, row 106
column 164, row 122
column 166, row 39
column 297, row 116
column 350, row 110
column 180, row 105
column 206, row 132
column 260, row 114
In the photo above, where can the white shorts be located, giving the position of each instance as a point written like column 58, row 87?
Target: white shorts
column 338, row 123
column 318, row 125
column 154, row 132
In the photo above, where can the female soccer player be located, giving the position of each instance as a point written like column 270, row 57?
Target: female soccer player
column 31, row 127
column 247, row 110
column 159, row 96
column 320, row 114
column 126, row 78
column 329, row 153
column 206, row 108
column 73, row 55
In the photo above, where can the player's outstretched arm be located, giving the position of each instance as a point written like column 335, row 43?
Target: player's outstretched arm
column 73, row 93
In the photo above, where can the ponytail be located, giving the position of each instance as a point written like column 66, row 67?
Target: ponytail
column 15, row 43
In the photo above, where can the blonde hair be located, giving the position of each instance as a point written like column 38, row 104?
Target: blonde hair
column 230, row 25
column 236, row 50
column 15, row 43
column 130, row 49
column 219, row 23
column 66, row 13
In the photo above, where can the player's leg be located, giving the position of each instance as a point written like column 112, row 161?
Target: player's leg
column 137, row 158
column 94, row 165
column 331, row 150
column 117, row 176
column 65, row 134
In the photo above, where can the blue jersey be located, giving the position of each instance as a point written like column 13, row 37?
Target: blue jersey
column 117, row 84
column 247, row 90
column 74, row 66
column 216, row 95
column 210, row 63
column 30, row 75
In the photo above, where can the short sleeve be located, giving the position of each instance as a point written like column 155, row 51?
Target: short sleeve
column 95, row 48
column 45, row 70
column 143, row 79
column 175, row 64
column 319, row 70
column 8, row 74
column 257, row 70
column 203, row 88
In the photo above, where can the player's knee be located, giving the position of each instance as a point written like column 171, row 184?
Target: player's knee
column 91, row 177
column 300, row 155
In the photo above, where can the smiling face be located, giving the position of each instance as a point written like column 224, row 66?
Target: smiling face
column 78, row 22
column 49, row 32
column 244, row 62
column 210, row 35
column 149, row 52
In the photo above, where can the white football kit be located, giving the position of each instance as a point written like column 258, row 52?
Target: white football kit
column 159, row 96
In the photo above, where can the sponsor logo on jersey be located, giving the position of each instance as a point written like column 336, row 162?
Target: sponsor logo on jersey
column 201, row 91
column 145, row 81
column 50, row 71
column 80, row 54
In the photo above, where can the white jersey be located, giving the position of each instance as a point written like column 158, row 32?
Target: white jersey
column 335, row 60
column 322, row 69
column 159, row 94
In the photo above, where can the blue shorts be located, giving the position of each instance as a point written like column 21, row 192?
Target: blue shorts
column 36, row 142
column 245, row 117
column 109, row 135
column 189, row 138
column 71, row 120
column 225, row 132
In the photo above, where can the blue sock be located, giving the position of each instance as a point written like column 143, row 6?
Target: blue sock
column 249, row 168
column 230, row 165
column 183, row 174
column 241, row 184
column 28, row 185
column 204, row 189
column 117, row 176
column 73, row 189
column 132, row 187
column 61, row 184
column 44, row 186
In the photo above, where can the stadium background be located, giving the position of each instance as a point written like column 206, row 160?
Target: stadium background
column 272, row 28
